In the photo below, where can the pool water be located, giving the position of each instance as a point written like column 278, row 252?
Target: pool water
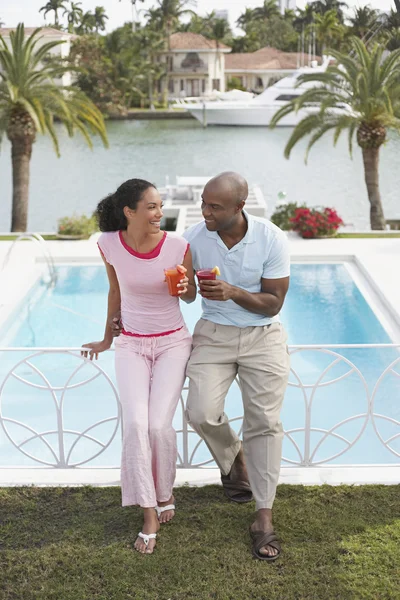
column 323, row 306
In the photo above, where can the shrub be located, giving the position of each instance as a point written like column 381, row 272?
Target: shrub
column 77, row 225
column 314, row 222
column 235, row 83
column 283, row 215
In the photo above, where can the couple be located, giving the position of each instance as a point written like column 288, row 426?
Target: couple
column 239, row 334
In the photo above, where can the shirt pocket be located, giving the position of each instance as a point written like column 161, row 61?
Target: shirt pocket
column 250, row 275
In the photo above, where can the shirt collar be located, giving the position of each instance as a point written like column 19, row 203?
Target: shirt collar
column 249, row 238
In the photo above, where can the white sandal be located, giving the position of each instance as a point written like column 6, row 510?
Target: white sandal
column 161, row 509
column 146, row 537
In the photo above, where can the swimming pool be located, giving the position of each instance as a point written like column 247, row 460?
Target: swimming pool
column 324, row 306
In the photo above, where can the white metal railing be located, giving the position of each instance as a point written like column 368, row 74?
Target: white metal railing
column 41, row 243
column 29, row 374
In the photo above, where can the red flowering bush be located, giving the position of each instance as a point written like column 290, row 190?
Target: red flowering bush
column 313, row 222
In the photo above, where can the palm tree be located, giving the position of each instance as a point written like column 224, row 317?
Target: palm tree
column 267, row 10
column 151, row 43
column 30, row 101
column 392, row 20
column 327, row 28
column 168, row 12
column 74, row 13
column 196, row 25
column 245, row 19
column 289, row 15
column 53, row 6
column 323, row 6
column 304, row 17
column 87, row 24
column 100, row 18
column 368, row 87
column 219, row 30
column 165, row 17
column 364, row 19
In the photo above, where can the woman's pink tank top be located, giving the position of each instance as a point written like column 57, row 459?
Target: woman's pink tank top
column 147, row 309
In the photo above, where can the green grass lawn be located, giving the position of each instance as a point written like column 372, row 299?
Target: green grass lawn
column 76, row 544
column 366, row 235
column 10, row 237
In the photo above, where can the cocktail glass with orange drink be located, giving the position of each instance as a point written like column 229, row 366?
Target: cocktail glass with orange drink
column 173, row 277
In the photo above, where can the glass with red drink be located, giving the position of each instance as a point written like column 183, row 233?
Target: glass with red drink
column 206, row 275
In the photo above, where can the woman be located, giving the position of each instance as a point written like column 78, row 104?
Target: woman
column 152, row 352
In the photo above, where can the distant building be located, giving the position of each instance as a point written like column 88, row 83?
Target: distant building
column 258, row 70
column 222, row 14
column 195, row 66
column 48, row 34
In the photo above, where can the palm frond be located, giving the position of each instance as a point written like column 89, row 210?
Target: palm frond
column 27, row 84
column 283, row 112
column 342, row 123
column 351, row 132
column 317, row 136
column 362, row 88
column 305, row 127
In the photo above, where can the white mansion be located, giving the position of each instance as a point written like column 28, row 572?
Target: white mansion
column 196, row 66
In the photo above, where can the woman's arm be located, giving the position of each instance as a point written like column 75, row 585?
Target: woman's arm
column 188, row 285
column 114, row 300
column 114, row 305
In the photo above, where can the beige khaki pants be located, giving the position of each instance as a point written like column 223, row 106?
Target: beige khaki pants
column 259, row 357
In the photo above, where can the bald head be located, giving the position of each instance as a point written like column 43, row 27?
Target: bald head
column 230, row 186
column 223, row 201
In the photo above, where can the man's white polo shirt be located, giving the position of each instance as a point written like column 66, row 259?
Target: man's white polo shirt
column 262, row 253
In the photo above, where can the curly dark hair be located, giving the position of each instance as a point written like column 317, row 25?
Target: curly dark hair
column 110, row 211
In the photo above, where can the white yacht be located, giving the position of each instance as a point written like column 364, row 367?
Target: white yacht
column 258, row 111
column 182, row 202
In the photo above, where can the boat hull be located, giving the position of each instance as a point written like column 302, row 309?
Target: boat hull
column 244, row 116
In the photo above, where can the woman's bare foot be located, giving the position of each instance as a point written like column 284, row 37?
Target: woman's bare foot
column 166, row 515
column 150, row 525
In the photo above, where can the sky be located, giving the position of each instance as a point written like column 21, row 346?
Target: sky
column 14, row 11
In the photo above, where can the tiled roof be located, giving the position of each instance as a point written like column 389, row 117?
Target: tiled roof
column 45, row 32
column 263, row 59
column 193, row 41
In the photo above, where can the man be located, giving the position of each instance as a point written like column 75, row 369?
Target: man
column 240, row 334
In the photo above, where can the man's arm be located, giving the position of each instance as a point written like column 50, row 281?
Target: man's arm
column 268, row 302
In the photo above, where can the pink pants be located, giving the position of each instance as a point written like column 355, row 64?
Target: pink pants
column 150, row 375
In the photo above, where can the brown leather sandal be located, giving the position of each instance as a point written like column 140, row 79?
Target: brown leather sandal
column 260, row 539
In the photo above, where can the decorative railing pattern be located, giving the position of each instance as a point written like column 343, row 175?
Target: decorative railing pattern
column 60, row 452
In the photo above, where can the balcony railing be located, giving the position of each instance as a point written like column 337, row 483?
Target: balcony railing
column 203, row 70
column 340, row 400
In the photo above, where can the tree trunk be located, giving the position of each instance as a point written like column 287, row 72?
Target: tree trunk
column 21, row 152
column 397, row 4
column 150, row 83
column 371, row 174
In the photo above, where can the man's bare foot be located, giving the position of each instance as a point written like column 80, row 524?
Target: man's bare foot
column 263, row 523
column 150, row 525
column 166, row 515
